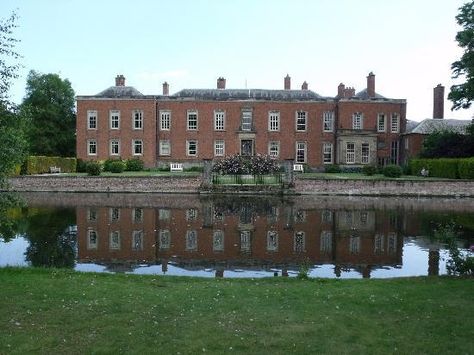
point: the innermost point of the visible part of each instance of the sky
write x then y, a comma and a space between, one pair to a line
409, 45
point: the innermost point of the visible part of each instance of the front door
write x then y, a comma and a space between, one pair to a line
246, 147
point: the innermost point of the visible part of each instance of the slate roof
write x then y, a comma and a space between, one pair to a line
119, 91
363, 95
245, 94
431, 125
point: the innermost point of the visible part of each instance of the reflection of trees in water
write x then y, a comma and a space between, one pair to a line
461, 222
10, 223
52, 240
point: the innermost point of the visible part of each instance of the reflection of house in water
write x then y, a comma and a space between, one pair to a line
239, 233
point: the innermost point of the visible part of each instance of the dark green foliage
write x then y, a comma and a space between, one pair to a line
41, 164
448, 144
351, 169
134, 165
195, 168
49, 105
369, 170
393, 171
332, 169
117, 166
236, 164
466, 168
107, 164
462, 94
81, 166
93, 168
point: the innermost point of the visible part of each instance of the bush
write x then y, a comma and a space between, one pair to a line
443, 167
466, 168
332, 169
393, 171
134, 165
41, 164
195, 168
81, 166
106, 166
369, 170
93, 168
351, 169
117, 166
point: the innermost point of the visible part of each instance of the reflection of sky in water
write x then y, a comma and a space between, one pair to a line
415, 263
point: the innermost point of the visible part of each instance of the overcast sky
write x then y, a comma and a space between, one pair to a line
408, 44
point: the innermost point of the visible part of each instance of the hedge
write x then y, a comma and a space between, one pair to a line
41, 164
444, 167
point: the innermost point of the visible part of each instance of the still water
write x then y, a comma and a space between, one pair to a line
234, 236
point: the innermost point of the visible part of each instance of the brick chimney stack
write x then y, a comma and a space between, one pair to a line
438, 101
221, 83
371, 85
287, 82
340, 90
304, 86
120, 80
166, 89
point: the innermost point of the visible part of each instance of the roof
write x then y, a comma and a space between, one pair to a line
363, 95
431, 125
119, 91
245, 94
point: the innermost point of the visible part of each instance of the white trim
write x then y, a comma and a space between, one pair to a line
92, 113
305, 121
118, 147
112, 119
273, 121
89, 143
167, 115
162, 143
188, 113
140, 119
134, 141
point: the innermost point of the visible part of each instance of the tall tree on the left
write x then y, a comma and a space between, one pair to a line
12, 139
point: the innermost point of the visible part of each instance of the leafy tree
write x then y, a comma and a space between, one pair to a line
49, 106
449, 144
462, 94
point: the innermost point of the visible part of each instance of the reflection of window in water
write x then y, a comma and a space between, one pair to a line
327, 216
349, 217
272, 216
364, 216
218, 216
164, 214
137, 215
354, 244
393, 221
300, 216
191, 214
114, 214
392, 243
114, 242
191, 240
326, 242
245, 241
378, 244
137, 240
272, 241
245, 215
92, 239
164, 239
92, 215
299, 242
218, 241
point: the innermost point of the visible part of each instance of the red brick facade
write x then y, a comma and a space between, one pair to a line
288, 124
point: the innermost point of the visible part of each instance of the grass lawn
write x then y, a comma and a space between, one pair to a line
50, 311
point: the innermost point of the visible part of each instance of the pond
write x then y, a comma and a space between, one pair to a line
234, 236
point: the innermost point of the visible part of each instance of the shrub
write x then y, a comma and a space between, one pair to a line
263, 164
117, 166
332, 169
351, 169
93, 168
106, 166
393, 171
81, 166
369, 170
134, 164
195, 168
443, 167
41, 164
466, 168
232, 164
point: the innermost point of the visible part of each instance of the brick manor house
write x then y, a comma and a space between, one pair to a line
350, 129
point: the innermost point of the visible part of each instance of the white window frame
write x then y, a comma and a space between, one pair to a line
247, 120
165, 120
219, 148
92, 114
115, 143
114, 244
328, 121
165, 145
92, 233
327, 151
357, 121
350, 154
301, 146
92, 143
219, 120
301, 121
135, 144
395, 123
274, 149
365, 153
192, 120
137, 119
381, 122
274, 121
188, 147
114, 119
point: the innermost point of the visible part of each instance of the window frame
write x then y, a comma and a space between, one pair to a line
135, 145
365, 158
188, 147
274, 144
298, 124
395, 118
111, 147
135, 120
379, 116
219, 120
274, 121
325, 153
90, 143
350, 153
357, 121
114, 119
328, 120
162, 143
195, 120
246, 125
216, 148
90, 114
305, 151
165, 120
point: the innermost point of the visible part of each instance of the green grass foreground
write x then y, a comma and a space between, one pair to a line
51, 311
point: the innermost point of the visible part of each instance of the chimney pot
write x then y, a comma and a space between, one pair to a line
371, 85
221, 83
166, 89
340, 90
304, 86
287, 82
120, 80
438, 101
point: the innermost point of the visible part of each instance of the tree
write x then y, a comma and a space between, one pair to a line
463, 94
448, 144
12, 142
49, 106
